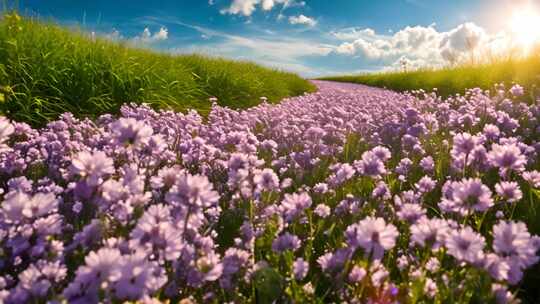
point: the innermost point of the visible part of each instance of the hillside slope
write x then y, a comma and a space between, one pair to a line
46, 70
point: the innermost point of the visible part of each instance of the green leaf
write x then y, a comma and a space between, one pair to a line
268, 284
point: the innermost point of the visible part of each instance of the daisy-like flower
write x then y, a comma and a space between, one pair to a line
512, 239
300, 269
373, 235
464, 143
322, 210
293, 205
92, 166
507, 158
193, 190
532, 177
129, 131
370, 165
466, 245
471, 193
509, 191
266, 180
286, 241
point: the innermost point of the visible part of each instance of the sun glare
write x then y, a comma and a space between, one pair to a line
525, 27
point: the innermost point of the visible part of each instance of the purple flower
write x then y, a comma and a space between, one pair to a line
517, 90
373, 235
491, 132
428, 164
466, 245
300, 269
532, 177
342, 173
266, 180
370, 165
192, 190
507, 158
429, 232
512, 239
425, 184
286, 241
509, 191
138, 277
471, 193
92, 166
464, 143
382, 153
322, 210
19, 206
293, 205
357, 274
411, 212
333, 262
129, 131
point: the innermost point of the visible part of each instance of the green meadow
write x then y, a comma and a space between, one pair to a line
46, 70
457, 79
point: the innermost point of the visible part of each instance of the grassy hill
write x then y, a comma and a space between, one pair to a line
46, 70
452, 80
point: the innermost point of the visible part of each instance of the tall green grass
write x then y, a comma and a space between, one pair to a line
46, 70
453, 80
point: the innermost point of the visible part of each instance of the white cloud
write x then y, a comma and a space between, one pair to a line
248, 7
465, 38
353, 33
244, 7
302, 19
211, 2
418, 45
147, 37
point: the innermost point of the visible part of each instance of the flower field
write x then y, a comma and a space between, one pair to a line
351, 194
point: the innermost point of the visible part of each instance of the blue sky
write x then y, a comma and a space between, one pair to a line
311, 37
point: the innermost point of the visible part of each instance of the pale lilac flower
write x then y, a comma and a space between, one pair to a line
193, 190
370, 165
491, 132
293, 205
286, 241
425, 184
512, 239
466, 245
471, 193
464, 143
357, 274
507, 158
428, 164
382, 153
138, 277
266, 180
129, 131
429, 232
92, 166
373, 235
517, 90
322, 210
300, 269
333, 262
411, 213
509, 191
532, 177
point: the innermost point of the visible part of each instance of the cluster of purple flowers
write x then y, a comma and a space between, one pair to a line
351, 194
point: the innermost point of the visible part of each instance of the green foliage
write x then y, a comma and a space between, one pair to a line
46, 70
453, 80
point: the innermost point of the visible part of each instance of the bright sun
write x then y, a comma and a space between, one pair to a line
525, 27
